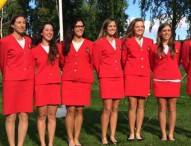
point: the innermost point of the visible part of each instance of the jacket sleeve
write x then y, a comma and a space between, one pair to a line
185, 55
96, 56
33, 54
91, 54
151, 57
123, 54
178, 46
61, 57
3, 55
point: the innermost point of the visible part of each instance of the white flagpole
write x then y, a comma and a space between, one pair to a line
61, 20
61, 111
1, 29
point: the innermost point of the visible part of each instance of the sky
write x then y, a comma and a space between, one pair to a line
134, 12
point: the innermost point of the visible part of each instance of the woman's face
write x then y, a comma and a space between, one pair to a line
47, 33
139, 29
111, 28
79, 29
19, 26
166, 33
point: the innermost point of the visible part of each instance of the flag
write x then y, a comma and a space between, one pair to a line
2, 2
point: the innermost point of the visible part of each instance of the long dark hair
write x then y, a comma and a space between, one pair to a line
53, 48
13, 19
160, 46
69, 35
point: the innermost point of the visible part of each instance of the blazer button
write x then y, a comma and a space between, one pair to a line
142, 58
142, 66
75, 70
50, 74
25, 69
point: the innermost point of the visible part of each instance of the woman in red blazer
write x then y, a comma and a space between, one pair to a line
186, 60
107, 62
165, 59
17, 70
136, 68
77, 77
47, 81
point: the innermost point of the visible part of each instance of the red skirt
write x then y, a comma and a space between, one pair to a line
111, 88
166, 89
48, 94
76, 93
18, 96
137, 86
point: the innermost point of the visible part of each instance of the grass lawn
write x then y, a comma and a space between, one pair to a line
91, 133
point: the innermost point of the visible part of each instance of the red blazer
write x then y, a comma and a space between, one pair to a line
45, 73
107, 60
135, 59
186, 55
77, 66
165, 67
16, 63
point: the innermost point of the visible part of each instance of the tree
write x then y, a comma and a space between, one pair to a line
171, 11
113, 9
189, 20
71, 9
44, 11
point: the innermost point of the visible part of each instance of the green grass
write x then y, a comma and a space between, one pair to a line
91, 132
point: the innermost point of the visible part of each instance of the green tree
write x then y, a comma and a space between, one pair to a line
71, 9
89, 14
113, 9
189, 20
44, 11
171, 11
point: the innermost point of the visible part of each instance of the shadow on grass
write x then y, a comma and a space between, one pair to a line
61, 130
33, 133
32, 129
91, 123
3, 137
150, 125
91, 126
153, 127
